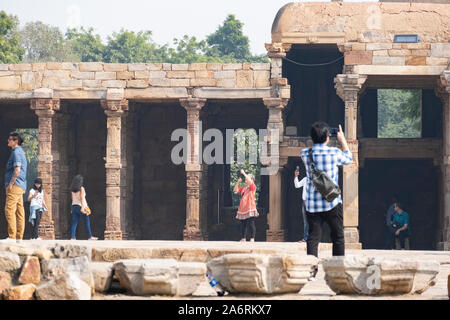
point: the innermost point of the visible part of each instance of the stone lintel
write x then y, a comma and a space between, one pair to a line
231, 93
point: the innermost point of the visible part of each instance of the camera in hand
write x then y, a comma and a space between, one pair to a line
297, 168
334, 131
239, 174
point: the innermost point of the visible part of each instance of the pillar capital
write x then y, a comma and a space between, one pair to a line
277, 50
193, 103
275, 103
45, 107
114, 108
349, 86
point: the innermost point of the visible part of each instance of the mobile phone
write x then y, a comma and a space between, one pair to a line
297, 168
334, 131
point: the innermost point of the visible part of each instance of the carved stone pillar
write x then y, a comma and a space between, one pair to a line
195, 173
45, 110
348, 88
278, 85
443, 91
115, 111
276, 232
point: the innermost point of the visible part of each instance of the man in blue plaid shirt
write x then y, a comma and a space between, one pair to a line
318, 209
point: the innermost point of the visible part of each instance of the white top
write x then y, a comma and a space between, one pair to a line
36, 202
76, 198
300, 184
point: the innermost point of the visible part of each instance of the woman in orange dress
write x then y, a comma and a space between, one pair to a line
247, 211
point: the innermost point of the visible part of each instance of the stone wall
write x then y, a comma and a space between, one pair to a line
94, 76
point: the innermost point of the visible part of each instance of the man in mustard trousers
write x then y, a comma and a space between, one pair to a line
15, 184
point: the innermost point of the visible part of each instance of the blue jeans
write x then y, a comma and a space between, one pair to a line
76, 214
305, 223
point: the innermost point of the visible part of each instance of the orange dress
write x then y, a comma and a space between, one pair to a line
247, 206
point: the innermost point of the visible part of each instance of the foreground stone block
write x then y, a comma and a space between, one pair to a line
24, 292
379, 276
262, 273
147, 277
54, 268
160, 276
9, 262
5, 281
66, 287
190, 275
102, 273
31, 271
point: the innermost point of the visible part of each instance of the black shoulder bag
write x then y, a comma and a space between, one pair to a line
323, 183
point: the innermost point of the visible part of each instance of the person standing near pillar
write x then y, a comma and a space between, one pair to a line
16, 184
301, 184
37, 206
247, 211
79, 203
318, 209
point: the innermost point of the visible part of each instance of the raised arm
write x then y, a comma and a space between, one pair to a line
236, 186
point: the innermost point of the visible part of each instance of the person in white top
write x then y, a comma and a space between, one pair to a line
79, 204
302, 184
37, 206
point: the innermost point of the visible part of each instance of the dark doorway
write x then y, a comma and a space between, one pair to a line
313, 96
416, 182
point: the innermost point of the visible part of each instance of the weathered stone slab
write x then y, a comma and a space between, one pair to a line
379, 276
102, 272
63, 251
31, 271
9, 262
68, 286
262, 273
24, 292
115, 254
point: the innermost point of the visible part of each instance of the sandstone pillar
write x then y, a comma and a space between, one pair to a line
348, 87
275, 232
45, 110
195, 171
443, 91
115, 111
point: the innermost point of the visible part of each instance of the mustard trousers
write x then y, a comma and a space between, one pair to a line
15, 212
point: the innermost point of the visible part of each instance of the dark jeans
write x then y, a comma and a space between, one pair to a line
76, 214
403, 235
389, 238
334, 219
37, 221
244, 224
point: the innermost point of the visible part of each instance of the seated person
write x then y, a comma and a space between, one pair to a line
401, 225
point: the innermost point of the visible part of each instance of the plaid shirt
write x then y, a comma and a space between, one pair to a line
325, 159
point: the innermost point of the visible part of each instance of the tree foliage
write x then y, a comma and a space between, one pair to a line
44, 43
86, 45
10, 48
399, 113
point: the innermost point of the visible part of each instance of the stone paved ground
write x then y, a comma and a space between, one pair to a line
317, 290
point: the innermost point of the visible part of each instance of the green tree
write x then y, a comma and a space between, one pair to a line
399, 113
189, 50
86, 45
30, 146
130, 47
229, 43
10, 48
44, 43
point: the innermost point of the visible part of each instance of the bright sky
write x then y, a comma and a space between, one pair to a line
167, 19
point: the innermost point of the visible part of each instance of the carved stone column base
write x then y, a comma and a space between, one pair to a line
275, 236
46, 232
351, 235
194, 235
113, 235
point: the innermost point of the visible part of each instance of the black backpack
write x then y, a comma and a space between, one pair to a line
323, 183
